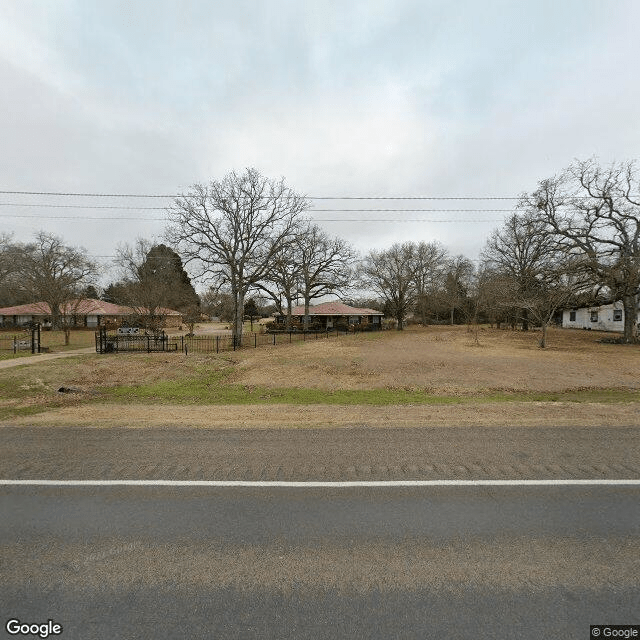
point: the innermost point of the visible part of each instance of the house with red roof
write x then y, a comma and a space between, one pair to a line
85, 312
328, 315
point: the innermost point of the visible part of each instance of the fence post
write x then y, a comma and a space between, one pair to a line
255, 340
274, 339
182, 339
217, 344
290, 337
15, 345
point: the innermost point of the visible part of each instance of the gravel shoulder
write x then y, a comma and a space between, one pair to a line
526, 414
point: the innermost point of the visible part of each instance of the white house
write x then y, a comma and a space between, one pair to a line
606, 317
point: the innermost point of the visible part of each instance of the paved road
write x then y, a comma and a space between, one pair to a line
472, 562
316, 563
319, 454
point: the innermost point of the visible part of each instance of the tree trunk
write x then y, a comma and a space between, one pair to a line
56, 320
305, 324
289, 314
423, 309
543, 339
630, 314
238, 316
525, 319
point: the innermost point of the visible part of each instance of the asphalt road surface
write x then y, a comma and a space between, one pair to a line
281, 562
320, 454
469, 562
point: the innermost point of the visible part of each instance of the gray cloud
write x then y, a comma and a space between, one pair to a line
358, 98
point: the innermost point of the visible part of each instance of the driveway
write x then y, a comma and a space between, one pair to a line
40, 357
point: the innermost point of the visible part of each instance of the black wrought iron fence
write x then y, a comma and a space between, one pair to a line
114, 343
215, 343
26, 341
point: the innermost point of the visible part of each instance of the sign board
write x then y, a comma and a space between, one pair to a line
128, 331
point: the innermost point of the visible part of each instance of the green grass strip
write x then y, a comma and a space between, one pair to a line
212, 392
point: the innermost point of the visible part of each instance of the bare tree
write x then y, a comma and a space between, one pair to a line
7, 256
282, 280
594, 214
430, 261
457, 284
218, 302
522, 256
9, 267
230, 230
495, 296
553, 290
54, 273
326, 265
390, 274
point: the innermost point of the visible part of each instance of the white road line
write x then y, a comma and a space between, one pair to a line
319, 483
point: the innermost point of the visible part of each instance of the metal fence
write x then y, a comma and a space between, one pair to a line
26, 341
114, 343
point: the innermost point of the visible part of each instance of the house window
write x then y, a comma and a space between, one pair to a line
617, 315
572, 316
594, 316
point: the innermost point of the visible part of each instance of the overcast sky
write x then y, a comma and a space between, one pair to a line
341, 98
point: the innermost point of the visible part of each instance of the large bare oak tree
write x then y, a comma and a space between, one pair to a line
594, 214
390, 274
230, 230
52, 272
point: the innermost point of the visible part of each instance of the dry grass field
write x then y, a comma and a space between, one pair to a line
435, 375
449, 360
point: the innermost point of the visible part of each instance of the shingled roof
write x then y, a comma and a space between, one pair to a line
82, 307
335, 308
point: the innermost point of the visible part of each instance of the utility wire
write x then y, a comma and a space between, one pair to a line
142, 195
361, 220
76, 206
99, 206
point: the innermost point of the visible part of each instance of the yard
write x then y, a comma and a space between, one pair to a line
49, 341
435, 375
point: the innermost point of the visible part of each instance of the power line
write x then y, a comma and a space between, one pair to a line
414, 210
75, 206
99, 206
361, 220
411, 197
179, 195
79, 218
87, 195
